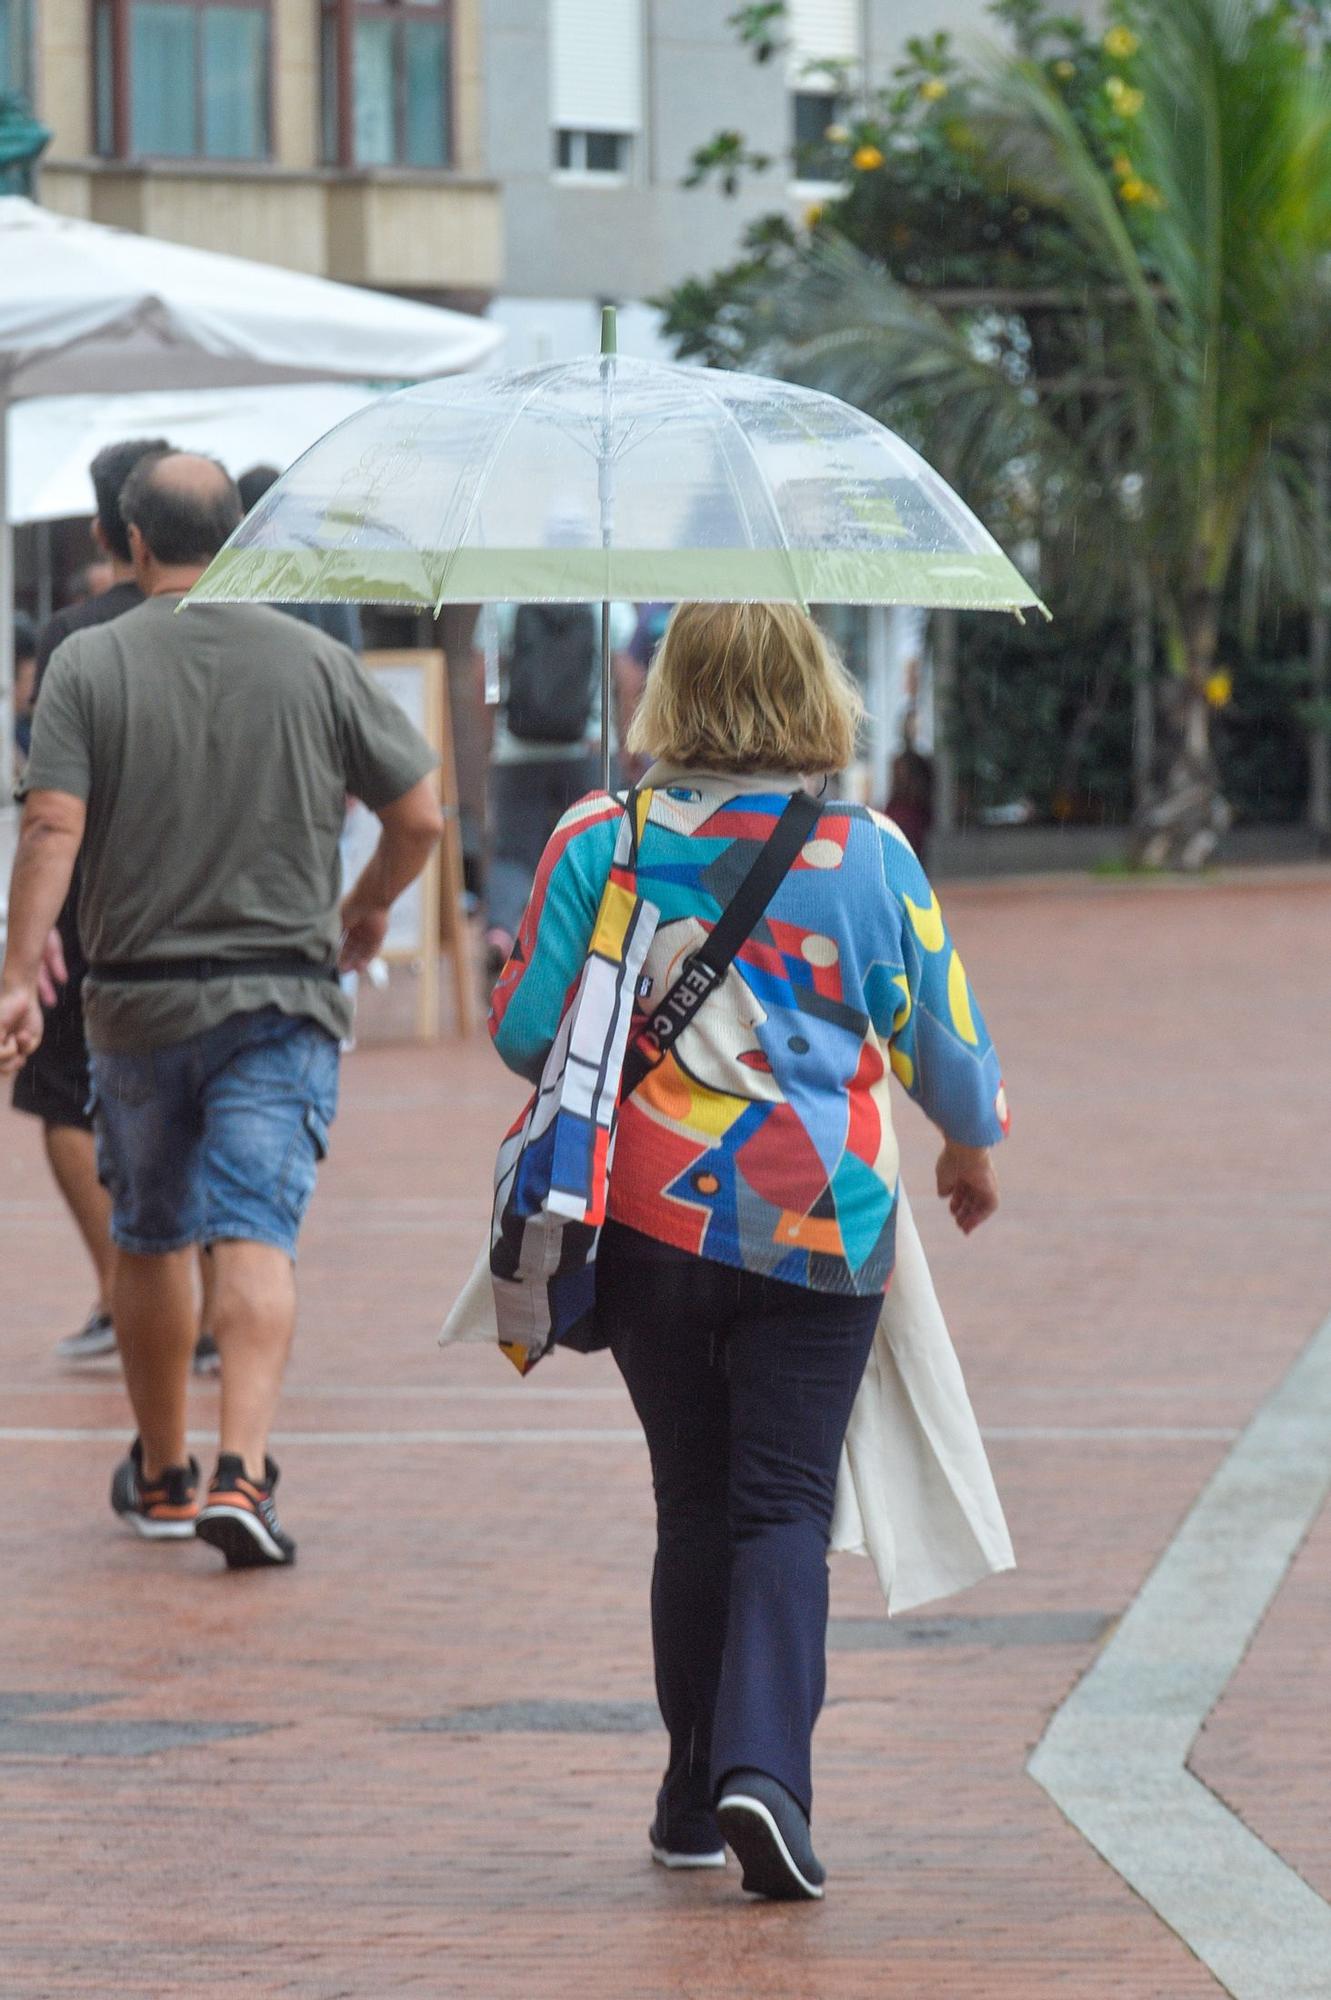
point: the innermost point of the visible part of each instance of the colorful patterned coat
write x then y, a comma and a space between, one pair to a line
765, 1141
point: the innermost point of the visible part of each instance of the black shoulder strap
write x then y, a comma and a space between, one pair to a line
709, 964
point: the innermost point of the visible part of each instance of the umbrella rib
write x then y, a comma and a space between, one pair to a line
487, 467
763, 481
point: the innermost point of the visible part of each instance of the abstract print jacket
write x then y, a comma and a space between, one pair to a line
765, 1140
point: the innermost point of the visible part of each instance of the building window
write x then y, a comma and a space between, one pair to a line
824, 56
182, 79
813, 113
15, 47
608, 153
596, 61
387, 83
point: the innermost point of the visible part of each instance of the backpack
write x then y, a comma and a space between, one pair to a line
552, 672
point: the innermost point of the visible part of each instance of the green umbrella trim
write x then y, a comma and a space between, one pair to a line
985, 582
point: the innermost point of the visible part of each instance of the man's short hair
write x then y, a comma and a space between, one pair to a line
180, 525
110, 469
255, 483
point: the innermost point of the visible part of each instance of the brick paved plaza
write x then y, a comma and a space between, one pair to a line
423, 1762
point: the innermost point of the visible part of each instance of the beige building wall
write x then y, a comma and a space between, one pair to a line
399, 230
64, 74
297, 119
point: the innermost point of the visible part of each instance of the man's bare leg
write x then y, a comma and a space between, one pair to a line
73, 1161
253, 1306
156, 1319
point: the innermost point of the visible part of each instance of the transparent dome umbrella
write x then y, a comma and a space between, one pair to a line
608, 478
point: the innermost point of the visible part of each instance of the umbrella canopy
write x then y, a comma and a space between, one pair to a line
53, 439
609, 477
85, 308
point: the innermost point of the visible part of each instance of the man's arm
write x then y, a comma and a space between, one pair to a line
411, 829
49, 839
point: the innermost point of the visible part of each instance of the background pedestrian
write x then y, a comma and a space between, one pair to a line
201, 762
545, 751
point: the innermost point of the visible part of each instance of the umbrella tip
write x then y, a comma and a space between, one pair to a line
609, 331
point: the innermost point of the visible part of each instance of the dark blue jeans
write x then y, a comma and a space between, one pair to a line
744, 1386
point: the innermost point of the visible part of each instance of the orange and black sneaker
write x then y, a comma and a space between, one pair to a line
162, 1509
239, 1517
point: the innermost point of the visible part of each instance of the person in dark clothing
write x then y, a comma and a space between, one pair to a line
110, 469
54, 1086
25, 653
911, 801
339, 621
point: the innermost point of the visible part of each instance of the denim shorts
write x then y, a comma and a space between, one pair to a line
217, 1138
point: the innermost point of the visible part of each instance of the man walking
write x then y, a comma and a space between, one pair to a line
54, 1085
200, 762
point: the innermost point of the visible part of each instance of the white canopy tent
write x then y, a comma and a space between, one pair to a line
53, 439
86, 309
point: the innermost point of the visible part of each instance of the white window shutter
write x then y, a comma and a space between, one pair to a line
596, 65
821, 31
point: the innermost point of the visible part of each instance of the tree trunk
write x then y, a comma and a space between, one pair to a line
1182, 821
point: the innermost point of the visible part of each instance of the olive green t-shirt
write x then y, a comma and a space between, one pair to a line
215, 750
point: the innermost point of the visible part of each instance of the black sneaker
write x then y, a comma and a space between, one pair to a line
207, 1360
239, 1517
769, 1831
163, 1510
94, 1339
694, 1843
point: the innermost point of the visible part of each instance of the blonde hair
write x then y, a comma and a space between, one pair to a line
747, 687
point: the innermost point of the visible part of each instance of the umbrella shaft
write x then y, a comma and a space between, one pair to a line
605, 694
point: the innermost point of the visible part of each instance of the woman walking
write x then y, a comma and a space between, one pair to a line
752, 1202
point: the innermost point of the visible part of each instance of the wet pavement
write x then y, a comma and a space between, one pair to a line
423, 1762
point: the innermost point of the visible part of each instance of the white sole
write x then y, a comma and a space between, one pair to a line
159, 1531
665, 1857
741, 1802
251, 1523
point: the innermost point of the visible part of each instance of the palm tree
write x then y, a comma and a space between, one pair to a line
1178, 445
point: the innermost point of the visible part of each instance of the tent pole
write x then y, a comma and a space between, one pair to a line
6, 612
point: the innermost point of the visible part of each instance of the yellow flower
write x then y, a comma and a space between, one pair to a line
866, 159
836, 135
1134, 189
1121, 43
1129, 102
1219, 689
1123, 166
813, 214
1065, 70
933, 89
1114, 88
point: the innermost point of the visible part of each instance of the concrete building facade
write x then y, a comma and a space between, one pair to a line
458, 149
630, 228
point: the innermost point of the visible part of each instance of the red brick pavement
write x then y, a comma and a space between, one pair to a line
1162, 1254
